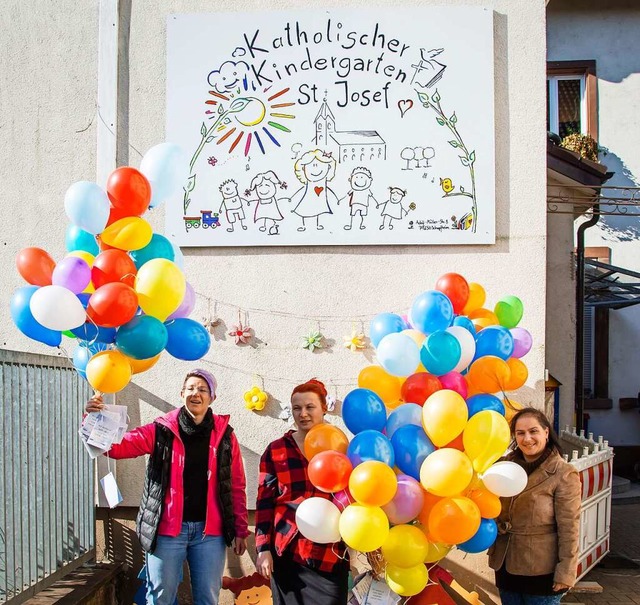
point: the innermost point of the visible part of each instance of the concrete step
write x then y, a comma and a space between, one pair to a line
620, 485
631, 496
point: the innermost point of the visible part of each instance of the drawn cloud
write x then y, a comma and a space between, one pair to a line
228, 76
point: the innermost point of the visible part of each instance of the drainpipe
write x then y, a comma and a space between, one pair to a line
579, 394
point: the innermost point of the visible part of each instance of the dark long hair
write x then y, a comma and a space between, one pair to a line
553, 443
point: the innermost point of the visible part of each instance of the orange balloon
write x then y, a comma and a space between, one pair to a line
142, 365
373, 483
376, 379
510, 408
488, 504
36, 266
477, 297
457, 444
519, 374
479, 323
454, 520
323, 437
486, 313
430, 500
489, 374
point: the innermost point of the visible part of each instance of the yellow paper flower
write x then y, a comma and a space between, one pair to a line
255, 399
354, 342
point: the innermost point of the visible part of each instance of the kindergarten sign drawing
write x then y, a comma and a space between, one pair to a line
333, 127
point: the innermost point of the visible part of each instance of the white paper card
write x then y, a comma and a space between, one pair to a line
111, 491
380, 594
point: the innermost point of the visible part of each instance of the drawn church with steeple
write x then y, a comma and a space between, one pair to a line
350, 145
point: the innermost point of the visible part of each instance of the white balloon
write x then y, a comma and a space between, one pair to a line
87, 206
166, 167
467, 346
57, 308
505, 479
398, 354
178, 257
318, 520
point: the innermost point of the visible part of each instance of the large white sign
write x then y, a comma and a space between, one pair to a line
333, 127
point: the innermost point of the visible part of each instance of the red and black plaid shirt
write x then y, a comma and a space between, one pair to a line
282, 486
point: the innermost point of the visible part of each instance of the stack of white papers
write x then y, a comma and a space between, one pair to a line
100, 430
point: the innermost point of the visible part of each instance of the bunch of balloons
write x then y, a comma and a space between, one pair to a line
120, 290
421, 474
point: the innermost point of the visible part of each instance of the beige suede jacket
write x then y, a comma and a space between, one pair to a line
539, 528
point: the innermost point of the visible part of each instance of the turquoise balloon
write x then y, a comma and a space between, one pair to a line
79, 239
142, 337
440, 352
158, 247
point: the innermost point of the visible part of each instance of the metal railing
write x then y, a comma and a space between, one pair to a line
47, 525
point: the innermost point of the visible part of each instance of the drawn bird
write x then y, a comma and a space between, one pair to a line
447, 185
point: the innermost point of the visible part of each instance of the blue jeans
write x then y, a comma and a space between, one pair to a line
206, 556
520, 598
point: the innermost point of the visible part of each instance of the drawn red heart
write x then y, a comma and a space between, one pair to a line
404, 106
318, 190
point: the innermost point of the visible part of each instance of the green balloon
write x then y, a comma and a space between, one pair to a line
68, 334
509, 311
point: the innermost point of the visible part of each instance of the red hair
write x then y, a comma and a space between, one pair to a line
313, 386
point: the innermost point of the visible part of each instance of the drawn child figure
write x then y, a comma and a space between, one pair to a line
232, 204
393, 207
314, 170
249, 590
359, 195
265, 185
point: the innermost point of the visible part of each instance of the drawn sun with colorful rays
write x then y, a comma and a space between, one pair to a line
252, 113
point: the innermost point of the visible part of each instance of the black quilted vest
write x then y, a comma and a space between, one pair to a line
157, 479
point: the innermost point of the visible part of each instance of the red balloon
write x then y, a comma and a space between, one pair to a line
456, 288
115, 214
113, 266
36, 266
419, 387
128, 189
329, 471
112, 305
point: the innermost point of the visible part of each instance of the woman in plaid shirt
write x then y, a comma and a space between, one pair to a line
302, 572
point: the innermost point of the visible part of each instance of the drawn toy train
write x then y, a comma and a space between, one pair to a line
208, 220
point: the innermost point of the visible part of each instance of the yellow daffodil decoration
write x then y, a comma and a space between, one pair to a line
355, 342
255, 399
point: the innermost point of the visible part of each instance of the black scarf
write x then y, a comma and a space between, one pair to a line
189, 427
529, 467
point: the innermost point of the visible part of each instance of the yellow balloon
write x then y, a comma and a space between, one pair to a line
376, 379
511, 406
407, 581
477, 297
363, 528
108, 371
142, 365
486, 438
87, 257
444, 416
436, 552
128, 233
160, 286
373, 483
446, 472
405, 546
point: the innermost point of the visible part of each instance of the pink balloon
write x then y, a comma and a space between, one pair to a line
522, 342
72, 273
343, 498
454, 381
407, 502
187, 305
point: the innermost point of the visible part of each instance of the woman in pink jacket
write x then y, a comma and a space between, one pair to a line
193, 504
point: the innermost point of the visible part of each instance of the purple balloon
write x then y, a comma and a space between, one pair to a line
72, 273
522, 342
343, 498
187, 305
407, 502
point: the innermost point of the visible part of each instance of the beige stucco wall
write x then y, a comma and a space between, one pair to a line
609, 34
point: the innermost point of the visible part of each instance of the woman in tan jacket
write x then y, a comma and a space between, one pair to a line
535, 556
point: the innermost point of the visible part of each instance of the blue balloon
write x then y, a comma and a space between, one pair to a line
188, 339
362, 409
466, 323
92, 333
370, 445
142, 338
383, 324
26, 322
87, 206
483, 538
411, 446
496, 341
484, 401
431, 311
79, 239
83, 353
158, 247
407, 413
440, 352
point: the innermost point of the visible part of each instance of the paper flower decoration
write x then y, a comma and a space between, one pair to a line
312, 341
242, 334
286, 413
331, 403
355, 342
255, 399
